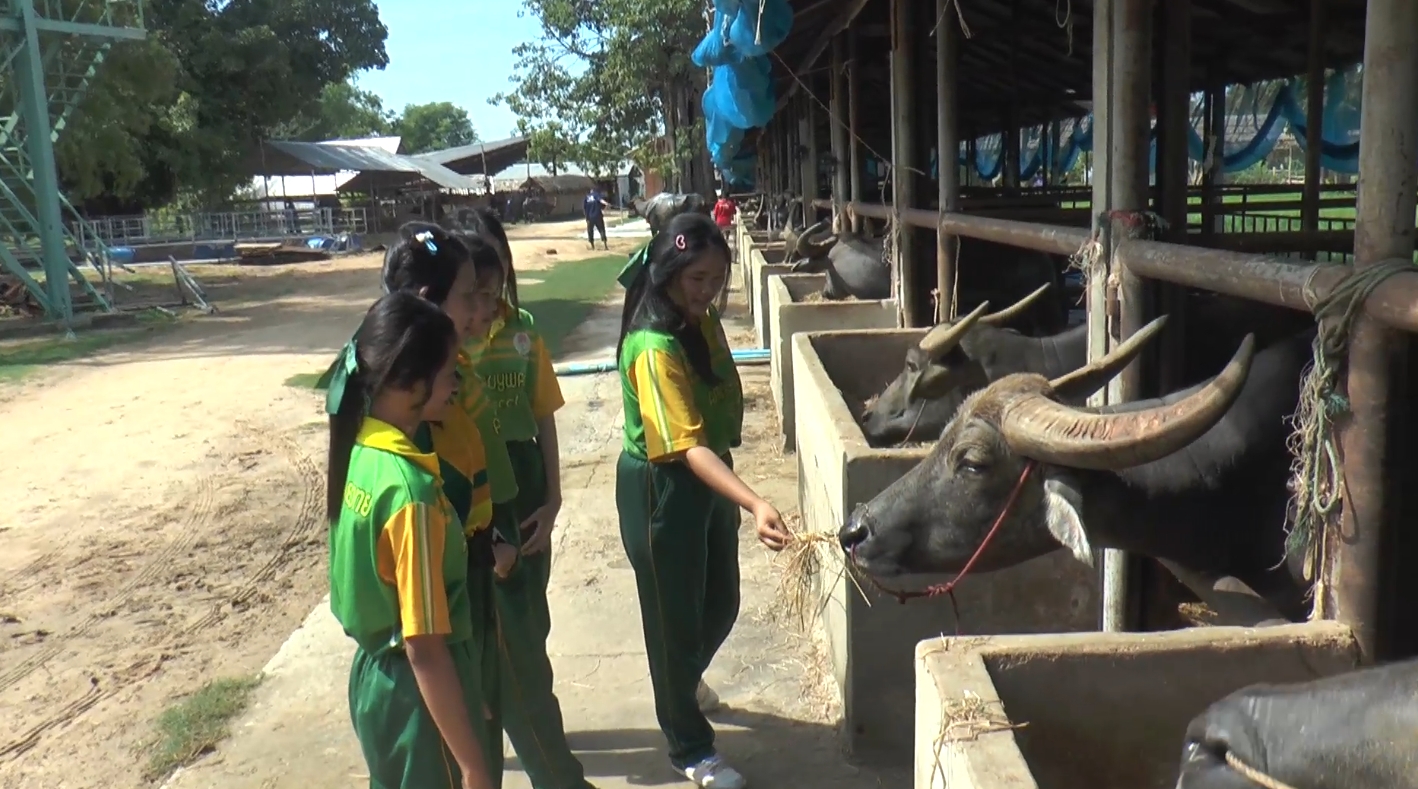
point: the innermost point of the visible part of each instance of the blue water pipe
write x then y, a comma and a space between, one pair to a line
742, 357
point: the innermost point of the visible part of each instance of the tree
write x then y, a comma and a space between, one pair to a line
637, 84
179, 115
344, 112
550, 146
434, 127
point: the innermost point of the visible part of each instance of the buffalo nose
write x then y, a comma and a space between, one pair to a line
854, 533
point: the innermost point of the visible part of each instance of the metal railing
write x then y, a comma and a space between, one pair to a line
229, 225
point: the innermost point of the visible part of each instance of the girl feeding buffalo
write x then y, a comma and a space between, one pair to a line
676, 492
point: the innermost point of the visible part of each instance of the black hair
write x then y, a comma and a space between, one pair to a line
647, 299
403, 340
411, 266
483, 223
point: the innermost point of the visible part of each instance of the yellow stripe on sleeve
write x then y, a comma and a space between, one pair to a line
411, 545
672, 421
546, 390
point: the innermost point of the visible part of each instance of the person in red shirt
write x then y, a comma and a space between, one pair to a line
724, 211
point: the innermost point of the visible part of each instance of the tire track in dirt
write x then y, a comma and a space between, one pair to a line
95, 693
188, 531
306, 523
11, 584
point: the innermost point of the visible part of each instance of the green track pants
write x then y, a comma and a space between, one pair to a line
531, 714
682, 540
402, 746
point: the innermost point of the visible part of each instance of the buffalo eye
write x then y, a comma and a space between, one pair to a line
971, 464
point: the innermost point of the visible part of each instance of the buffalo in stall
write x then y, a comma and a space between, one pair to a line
955, 359
660, 209
1197, 478
858, 268
1358, 729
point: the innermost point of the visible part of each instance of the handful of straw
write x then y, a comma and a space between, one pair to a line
807, 555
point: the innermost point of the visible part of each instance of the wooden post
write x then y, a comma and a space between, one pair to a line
1314, 123
854, 99
839, 133
903, 139
1388, 184
808, 124
1174, 108
947, 157
1212, 220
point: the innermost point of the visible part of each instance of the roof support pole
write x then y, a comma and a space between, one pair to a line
1387, 193
1314, 123
839, 132
947, 156
1174, 119
903, 159
1121, 77
854, 101
808, 125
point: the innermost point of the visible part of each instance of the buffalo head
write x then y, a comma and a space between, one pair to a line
943, 368
811, 253
934, 518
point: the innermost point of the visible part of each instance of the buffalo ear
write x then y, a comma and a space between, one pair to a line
1063, 506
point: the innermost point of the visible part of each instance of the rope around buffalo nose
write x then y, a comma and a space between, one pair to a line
1316, 473
1253, 775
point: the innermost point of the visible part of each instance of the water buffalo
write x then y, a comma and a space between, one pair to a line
1358, 729
660, 209
1197, 478
857, 268
949, 364
957, 358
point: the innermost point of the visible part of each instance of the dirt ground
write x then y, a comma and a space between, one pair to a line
174, 534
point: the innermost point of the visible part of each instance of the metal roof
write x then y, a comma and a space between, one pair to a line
379, 167
468, 159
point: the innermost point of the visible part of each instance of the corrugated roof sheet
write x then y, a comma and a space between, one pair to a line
468, 151
331, 157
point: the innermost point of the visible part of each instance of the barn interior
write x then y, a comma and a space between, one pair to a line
1122, 92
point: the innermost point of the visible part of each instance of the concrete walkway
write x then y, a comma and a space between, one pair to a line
774, 727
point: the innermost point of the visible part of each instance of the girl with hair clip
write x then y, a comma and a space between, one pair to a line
400, 579
515, 369
676, 492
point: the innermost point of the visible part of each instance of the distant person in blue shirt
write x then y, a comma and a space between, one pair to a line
594, 206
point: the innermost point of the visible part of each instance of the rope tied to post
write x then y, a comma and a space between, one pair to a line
1316, 473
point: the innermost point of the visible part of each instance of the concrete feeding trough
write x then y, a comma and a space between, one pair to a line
872, 639
764, 265
795, 305
1096, 710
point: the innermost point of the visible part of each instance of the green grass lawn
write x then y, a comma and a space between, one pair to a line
566, 295
560, 299
22, 357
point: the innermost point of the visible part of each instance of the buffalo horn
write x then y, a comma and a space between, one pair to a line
1095, 375
1018, 308
809, 249
945, 336
1036, 426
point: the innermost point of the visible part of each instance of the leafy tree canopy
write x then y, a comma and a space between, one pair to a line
343, 112
177, 116
435, 126
596, 86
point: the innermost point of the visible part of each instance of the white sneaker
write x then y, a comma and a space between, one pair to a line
706, 697
715, 773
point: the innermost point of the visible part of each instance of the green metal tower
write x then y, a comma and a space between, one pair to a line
52, 49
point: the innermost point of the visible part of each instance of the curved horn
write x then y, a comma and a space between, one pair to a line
1038, 427
807, 248
1094, 376
1018, 308
947, 335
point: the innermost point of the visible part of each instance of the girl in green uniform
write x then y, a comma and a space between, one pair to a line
515, 369
399, 582
676, 491
464, 277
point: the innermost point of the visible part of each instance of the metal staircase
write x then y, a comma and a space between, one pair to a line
51, 51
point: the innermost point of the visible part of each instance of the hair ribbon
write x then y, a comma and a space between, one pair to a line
337, 376
426, 238
638, 259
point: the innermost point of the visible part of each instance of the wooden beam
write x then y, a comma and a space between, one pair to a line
824, 40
